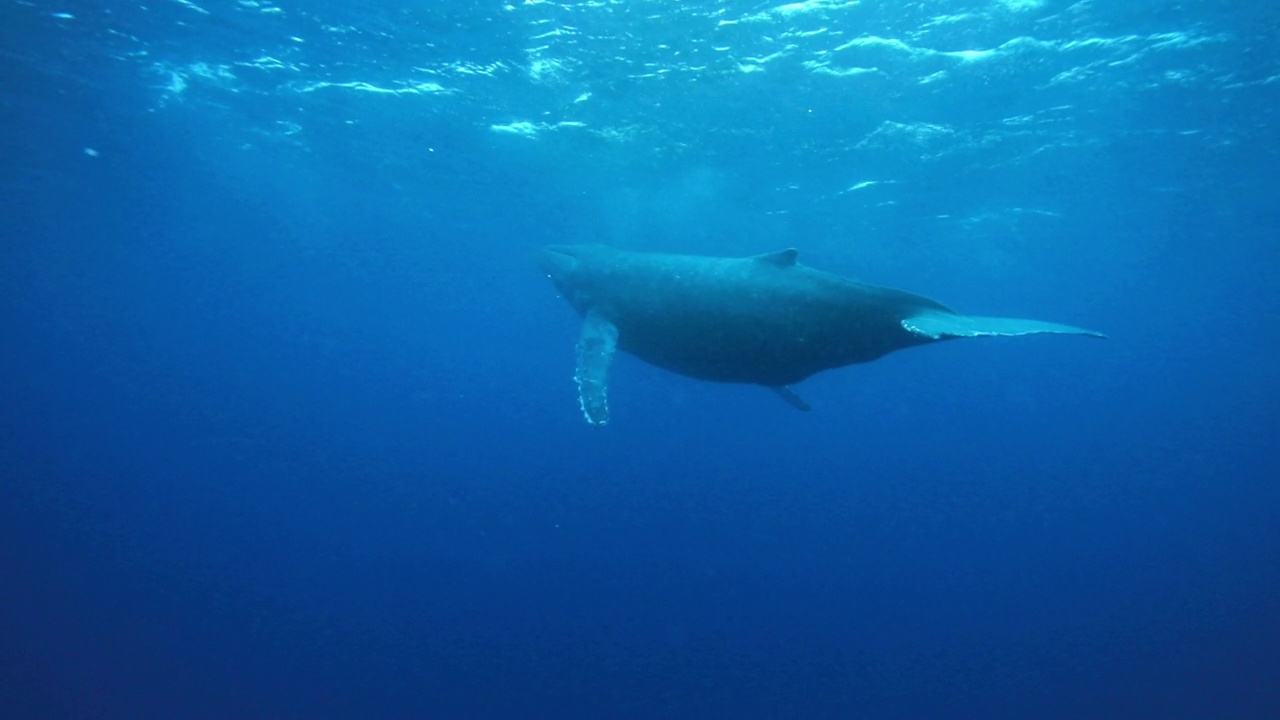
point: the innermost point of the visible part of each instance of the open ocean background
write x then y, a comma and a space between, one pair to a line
287, 420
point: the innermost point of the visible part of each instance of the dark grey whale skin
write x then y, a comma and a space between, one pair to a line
763, 319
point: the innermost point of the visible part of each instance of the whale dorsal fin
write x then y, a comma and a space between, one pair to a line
782, 258
596, 346
791, 397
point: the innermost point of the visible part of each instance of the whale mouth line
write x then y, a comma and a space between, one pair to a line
557, 261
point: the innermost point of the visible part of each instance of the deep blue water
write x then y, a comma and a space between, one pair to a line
288, 427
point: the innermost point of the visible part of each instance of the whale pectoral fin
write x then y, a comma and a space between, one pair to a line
938, 325
596, 346
789, 396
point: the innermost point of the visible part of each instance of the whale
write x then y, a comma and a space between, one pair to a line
764, 319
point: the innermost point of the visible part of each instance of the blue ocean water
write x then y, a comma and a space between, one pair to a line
288, 427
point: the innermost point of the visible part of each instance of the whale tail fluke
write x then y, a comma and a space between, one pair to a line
940, 325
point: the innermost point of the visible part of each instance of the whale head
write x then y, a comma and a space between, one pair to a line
559, 262
579, 272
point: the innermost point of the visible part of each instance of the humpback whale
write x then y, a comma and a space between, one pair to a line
764, 319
